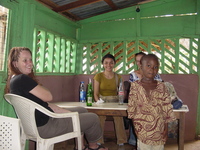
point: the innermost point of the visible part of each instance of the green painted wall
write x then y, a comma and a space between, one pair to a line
128, 23
24, 16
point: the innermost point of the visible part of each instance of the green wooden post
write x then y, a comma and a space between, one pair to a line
57, 55
99, 53
73, 55
79, 58
162, 67
191, 56
68, 53
198, 32
124, 56
198, 107
50, 53
176, 56
63, 54
88, 60
35, 39
198, 64
41, 54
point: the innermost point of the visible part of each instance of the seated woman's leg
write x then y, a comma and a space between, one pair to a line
59, 126
55, 127
91, 127
89, 123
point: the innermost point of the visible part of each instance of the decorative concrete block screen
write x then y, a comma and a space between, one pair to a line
56, 54
53, 53
177, 55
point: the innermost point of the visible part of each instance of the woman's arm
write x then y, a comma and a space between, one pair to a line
45, 95
96, 90
42, 93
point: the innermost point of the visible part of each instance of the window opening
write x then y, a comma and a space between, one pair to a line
53, 53
3, 31
177, 55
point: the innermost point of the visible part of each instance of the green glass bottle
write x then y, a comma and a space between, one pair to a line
89, 93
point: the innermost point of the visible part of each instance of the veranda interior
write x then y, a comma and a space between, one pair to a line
168, 28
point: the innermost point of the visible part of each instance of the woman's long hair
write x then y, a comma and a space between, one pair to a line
12, 70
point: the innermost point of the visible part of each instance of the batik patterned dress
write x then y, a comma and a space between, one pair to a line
150, 112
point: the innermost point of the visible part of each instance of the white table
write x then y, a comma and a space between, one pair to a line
114, 109
104, 109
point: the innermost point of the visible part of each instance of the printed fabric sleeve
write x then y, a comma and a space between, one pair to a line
158, 78
133, 77
131, 101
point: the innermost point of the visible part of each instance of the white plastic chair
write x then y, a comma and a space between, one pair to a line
10, 134
25, 110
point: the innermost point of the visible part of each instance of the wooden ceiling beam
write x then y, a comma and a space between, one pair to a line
70, 15
74, 5
64, 10
48, 3
111, 4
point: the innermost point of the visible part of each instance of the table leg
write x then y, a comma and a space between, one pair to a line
181, 131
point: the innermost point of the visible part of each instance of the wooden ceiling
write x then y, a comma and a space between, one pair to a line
81, 9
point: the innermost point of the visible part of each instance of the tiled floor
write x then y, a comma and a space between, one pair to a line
110, 142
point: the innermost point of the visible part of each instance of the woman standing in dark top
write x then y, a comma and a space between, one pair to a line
22, 81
